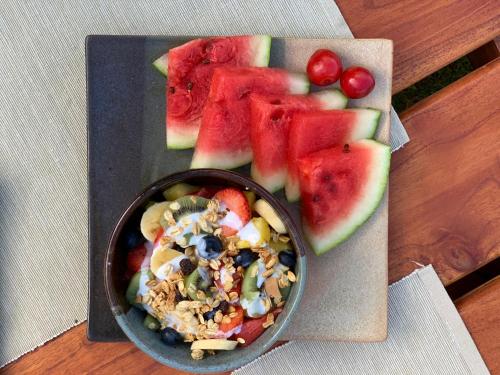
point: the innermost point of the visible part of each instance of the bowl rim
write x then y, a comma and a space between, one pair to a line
158, 186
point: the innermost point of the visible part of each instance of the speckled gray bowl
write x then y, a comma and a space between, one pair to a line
130, 319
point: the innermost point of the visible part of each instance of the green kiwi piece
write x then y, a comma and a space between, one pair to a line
280, 246
133, 287
194, 278
151, 323
189, 204
179, 190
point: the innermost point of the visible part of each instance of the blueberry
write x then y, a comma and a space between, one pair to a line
170, 336
209, 314
245, 257
210, 247
287, 258
133, 238
223, 307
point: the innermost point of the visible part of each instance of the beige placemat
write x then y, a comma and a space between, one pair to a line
426, 336
43, 188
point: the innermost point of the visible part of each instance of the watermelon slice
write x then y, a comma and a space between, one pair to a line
341, 187
190, 68
270, 117
224, 138
316, 130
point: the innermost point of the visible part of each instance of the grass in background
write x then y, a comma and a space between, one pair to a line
431, 84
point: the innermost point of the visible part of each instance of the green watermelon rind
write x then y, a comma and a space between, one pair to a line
298, 83
380, 178
161, 64
331, 99
271, 183
219, 160
369, 130
262, 44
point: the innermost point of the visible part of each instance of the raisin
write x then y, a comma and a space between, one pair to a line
187, 267
223, 307
178, 296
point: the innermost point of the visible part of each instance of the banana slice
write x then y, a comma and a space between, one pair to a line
214, 344
163, 256
150, 221
255, 233
264, 209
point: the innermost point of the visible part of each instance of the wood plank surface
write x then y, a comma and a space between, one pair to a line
480, 311
71, 353
427, 34
444, 185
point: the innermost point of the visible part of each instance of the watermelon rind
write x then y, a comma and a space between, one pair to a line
262, 45
331, 99
372, 194
161, 64
366, 127
181, 141
298, 83
371, 118
272, 183
219, 160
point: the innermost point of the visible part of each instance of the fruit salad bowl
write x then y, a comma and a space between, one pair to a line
131, 319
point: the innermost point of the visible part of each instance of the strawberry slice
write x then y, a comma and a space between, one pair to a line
252, 328
135, 257
236, 202
234, 322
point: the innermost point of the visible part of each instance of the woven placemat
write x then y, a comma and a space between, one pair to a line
426, 336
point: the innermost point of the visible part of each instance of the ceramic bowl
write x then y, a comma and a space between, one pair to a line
130, 319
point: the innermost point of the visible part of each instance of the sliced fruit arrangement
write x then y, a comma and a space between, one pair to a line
224, 137
340, 188
316, 130
270, 117
211, 271
190, 67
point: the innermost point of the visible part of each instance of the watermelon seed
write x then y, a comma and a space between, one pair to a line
276, 102
277, 115
189, 86
172, 89
316, 198
346, 148
205, 61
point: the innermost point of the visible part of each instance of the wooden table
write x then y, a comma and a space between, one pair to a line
444, 187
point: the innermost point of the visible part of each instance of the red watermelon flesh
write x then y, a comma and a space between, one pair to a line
224, 137
340, 189
190, 70
316, 130
270, 117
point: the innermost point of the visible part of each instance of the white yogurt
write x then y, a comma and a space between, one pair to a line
231, 219
256, 307
175, 263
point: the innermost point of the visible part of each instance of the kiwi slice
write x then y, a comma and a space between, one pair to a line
179, 190
133, 286
251, 197
189, 204
194, 278
280, 246
151, 323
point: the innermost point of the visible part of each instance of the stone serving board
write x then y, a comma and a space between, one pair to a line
346, 293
